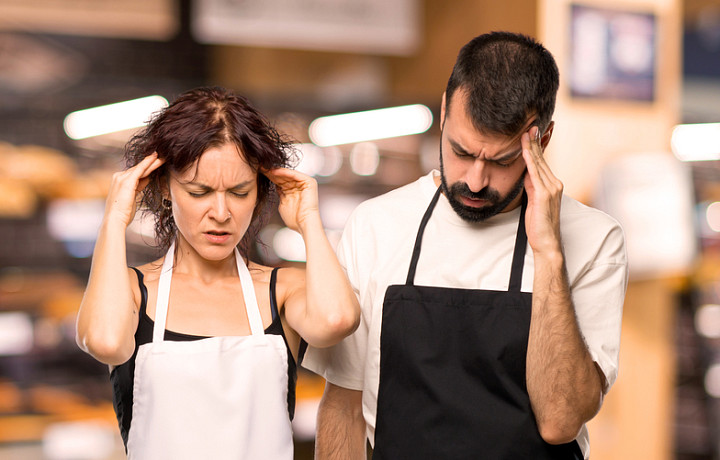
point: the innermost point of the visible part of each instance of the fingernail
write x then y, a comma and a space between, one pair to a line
537, 134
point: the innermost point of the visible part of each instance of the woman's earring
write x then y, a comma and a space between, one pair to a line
167, 204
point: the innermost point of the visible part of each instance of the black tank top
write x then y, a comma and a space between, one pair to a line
122, 377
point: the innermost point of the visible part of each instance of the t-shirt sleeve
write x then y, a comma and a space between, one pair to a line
598, 296
341, 364
344, 363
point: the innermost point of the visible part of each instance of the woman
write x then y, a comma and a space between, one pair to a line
203, 344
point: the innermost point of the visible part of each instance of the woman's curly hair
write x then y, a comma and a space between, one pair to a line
196, 121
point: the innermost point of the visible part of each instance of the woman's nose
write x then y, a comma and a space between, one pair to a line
219, 210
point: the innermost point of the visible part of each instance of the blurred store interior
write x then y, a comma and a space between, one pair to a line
637, 134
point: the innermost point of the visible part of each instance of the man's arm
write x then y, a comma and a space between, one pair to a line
340, 425
565, 386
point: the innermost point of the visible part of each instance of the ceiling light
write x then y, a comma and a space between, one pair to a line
370, 125
113, 117
696, 142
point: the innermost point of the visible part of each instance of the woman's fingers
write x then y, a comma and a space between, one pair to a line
148, 164
298, 195
126, 186
283, 175
289, 180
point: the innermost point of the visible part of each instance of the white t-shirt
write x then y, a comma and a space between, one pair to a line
376, 248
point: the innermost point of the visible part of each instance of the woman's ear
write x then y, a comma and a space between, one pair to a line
164, 183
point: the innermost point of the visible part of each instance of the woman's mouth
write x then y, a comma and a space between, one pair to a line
217, 236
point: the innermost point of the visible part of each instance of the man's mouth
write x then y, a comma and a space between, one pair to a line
473, 202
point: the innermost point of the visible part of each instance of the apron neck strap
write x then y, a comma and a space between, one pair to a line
418, 240
518, 261
163, 295
251, 306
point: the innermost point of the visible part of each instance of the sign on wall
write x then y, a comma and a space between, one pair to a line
612, 54
363, 26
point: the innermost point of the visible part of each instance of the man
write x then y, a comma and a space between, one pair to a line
471, 346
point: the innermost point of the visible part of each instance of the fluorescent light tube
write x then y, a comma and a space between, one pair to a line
113, 117
696, 142
370, 125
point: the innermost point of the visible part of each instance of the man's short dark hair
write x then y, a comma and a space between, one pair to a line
507, 77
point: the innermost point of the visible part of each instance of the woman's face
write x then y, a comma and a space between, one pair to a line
213, 201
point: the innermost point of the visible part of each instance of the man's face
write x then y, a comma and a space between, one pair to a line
481, 174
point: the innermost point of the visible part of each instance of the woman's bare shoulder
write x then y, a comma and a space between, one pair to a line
151, 270
288, 278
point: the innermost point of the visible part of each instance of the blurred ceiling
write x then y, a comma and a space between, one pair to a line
58, 56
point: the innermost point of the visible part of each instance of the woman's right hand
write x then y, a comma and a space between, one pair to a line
125, 189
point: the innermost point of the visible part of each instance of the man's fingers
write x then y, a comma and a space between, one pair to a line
531, 160
532, 141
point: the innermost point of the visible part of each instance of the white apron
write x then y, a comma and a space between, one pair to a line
218, 398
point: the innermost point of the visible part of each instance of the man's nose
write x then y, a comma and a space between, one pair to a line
476, 177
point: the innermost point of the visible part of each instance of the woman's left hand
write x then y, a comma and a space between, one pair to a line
298, 196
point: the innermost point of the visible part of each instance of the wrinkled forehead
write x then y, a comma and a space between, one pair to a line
465, 136
222, 163
460, 110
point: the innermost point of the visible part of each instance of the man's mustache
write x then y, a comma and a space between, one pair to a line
485, 193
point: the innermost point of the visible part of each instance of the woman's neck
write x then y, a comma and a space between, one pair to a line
189, 262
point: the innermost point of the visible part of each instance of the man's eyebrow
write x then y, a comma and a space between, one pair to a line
459, 149
503, 157
509, 155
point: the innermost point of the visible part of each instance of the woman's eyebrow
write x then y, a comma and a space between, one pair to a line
207, 187
242, 184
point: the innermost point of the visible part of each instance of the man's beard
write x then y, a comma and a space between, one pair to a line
473, 214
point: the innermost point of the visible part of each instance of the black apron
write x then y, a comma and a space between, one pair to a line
452, 370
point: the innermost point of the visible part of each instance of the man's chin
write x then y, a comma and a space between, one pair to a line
473, 213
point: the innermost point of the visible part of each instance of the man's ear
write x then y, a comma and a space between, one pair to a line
545, 139
442, 111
